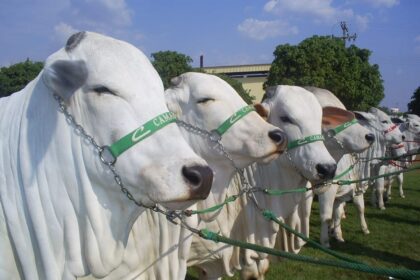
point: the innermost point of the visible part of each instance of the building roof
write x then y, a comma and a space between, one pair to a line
240, 70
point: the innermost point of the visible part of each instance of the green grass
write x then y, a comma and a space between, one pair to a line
393, 242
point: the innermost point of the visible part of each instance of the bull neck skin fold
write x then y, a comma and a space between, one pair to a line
39, 201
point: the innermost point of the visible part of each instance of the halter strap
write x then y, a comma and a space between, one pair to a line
304, 141
391, 128
234, 118
334, 131
141, 133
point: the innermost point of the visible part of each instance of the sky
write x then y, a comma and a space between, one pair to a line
225, 32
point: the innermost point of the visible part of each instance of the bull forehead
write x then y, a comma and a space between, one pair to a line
116, 64
209, 86
298, 104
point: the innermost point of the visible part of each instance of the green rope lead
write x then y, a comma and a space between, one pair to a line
282, 192
270, 216
348, 182
213, 208
397, 273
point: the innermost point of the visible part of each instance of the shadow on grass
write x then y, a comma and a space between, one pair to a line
388, 218
403, 206
357, 249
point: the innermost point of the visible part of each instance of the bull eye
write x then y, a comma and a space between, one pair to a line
384, 121
102, 89
286, 119
204, 100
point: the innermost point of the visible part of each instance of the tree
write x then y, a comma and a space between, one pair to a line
170, 64
237, 85
414, 104
17, 76
325, 62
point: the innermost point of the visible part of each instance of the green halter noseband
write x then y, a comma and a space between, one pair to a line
334, 131
233, 119
304, 141
139, 134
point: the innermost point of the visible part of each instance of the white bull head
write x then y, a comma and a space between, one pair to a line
62, 213
343, 134
206, 101
110, 104
289, 107
381, 124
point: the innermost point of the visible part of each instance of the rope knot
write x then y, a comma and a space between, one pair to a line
209, 235
268, 215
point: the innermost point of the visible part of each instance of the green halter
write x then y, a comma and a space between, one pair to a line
234, 118
334, 131
304, 141
141, 133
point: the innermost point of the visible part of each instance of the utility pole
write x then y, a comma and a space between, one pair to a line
346, 35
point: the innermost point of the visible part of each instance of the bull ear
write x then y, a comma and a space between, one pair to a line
176, 81
363, 116
263, 110
334, 116
171, 103
64, 77
397, 120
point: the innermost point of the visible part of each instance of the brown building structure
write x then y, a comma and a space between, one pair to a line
252, 76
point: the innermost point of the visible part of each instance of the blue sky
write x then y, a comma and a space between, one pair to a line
224, 31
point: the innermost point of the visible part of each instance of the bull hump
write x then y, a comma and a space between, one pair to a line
74, 40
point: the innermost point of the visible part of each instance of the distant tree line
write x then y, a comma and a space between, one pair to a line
321, 61
17, 76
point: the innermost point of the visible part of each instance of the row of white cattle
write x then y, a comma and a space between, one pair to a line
63, 215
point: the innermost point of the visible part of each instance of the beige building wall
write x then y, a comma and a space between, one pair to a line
255, 85
251, 76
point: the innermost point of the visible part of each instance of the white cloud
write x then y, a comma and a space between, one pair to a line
321, 10
383, 3
63, 31
260, 29
362, 22
117, 9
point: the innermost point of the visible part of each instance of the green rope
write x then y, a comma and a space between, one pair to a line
344, 172
213, 208
282, 192
397, 273
390, 158
270, 216
348, 182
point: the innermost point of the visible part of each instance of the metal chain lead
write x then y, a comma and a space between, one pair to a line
215, 137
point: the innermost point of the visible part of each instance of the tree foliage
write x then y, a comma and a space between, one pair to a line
325, 62
170, 64
17, 76
414, 104
237, 85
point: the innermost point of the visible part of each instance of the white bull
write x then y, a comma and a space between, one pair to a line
386, 134
204, 101
410, 128
354, 139
294, 110
62, 215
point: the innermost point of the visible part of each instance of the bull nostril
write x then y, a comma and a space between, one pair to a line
201, 179
403, 137
326, 171
277, 136
370, 137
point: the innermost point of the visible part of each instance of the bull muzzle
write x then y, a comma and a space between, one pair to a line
200, 179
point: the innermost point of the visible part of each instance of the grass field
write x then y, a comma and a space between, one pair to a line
393, 242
